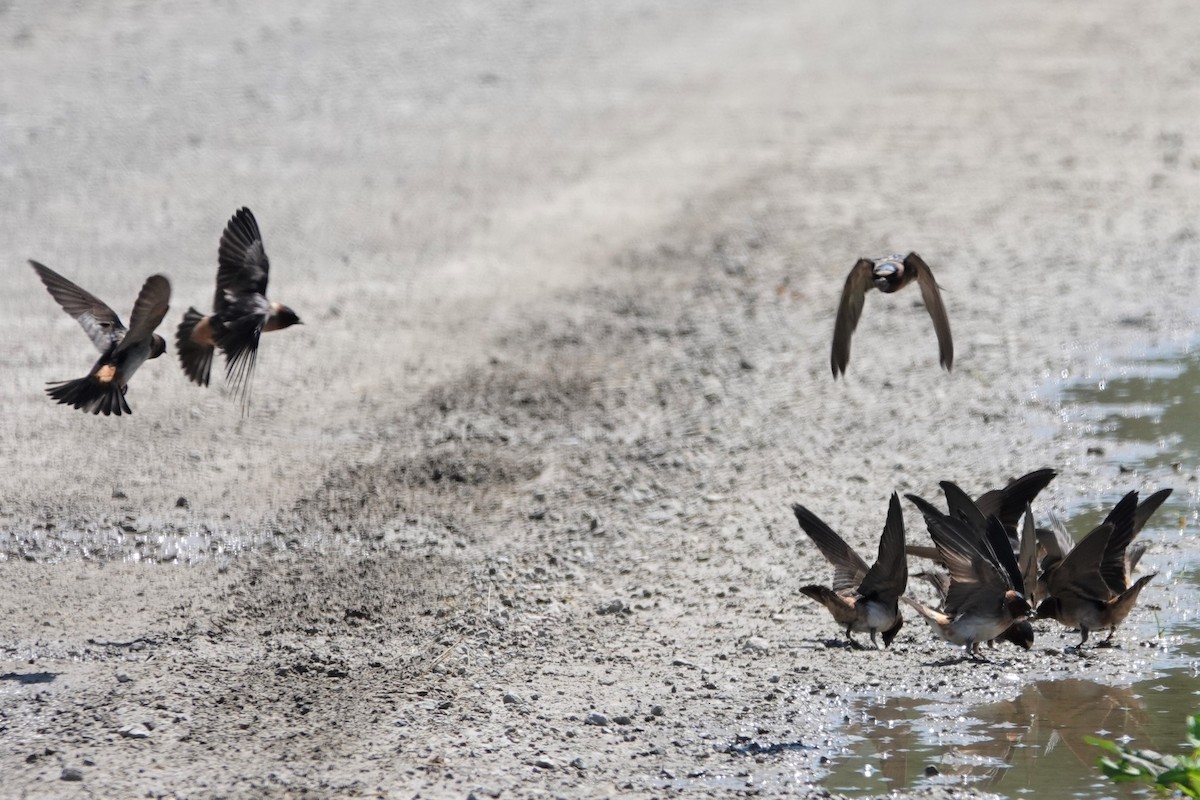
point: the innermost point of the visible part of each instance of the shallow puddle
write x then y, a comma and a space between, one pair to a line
1145, 407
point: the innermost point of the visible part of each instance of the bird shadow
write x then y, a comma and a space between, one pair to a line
842, 644
952, 661
774, 748
27, 678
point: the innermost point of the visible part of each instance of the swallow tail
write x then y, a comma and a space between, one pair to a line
91, 394
194, 341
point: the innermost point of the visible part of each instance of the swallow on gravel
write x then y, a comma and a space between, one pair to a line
122, 350
862, 598
1019, 633
1056, 542
1089, 588
241, 311
888, 274
984, 599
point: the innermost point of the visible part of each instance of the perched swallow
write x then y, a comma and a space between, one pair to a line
1089, 588
241, 311
122, 350
984, 599
1019, 633
862, 598
972, 523
888, 274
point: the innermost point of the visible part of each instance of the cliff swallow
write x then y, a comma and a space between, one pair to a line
1089, 588
241, 311
1056, 542
1019, 633
862, 598
122, 350
888, 274
984, 599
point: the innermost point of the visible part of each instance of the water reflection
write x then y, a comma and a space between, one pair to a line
1147, 412
1031, 743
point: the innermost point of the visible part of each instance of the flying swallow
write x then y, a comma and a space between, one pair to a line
241, 311
984, 599
122, 350
888, 274
862, 598
1089, 587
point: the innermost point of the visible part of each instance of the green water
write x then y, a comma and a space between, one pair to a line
1145, 407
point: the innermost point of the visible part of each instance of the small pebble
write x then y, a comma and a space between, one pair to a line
511, 699
134, 731
756, 644
71, 774
182, 502
595, 718
123, 677
612, 607
622, 719
656, 711
931, 770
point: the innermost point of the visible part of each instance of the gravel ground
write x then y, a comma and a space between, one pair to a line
510, 514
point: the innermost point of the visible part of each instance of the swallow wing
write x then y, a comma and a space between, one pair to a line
888, 576
1027, 557
1112, 563
1147, 507
1002, 553
926, 508
1056, 542
962, 507
99, 322
976, 580
243, 265
148, 310
932, 297
1079, 571
1010, 502
848, 567
850, 308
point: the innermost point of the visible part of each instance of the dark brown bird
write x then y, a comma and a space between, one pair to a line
241, 311
888, 274
122, 350
1055, 542
984, 599
1019, 633
862, 599
1089, 588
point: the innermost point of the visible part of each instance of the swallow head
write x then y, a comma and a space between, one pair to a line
1020, 634
1016, 604
891, 632
1048, 609
282, 317
158, 346
888, 273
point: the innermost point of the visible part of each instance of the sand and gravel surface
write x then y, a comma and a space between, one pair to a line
509, 516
